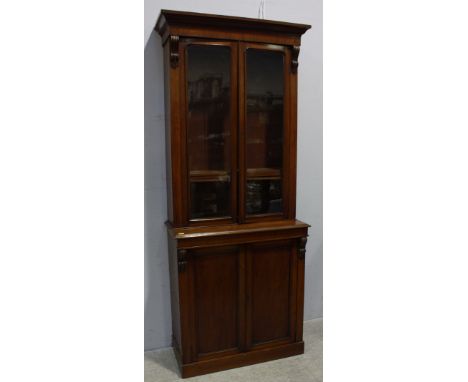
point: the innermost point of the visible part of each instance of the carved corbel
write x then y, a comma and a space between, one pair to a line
301, 248
174, 51
181, 259
294, 58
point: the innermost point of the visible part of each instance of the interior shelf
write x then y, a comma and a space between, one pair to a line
263, 173
209, 176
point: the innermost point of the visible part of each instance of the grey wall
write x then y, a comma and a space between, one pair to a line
309, 171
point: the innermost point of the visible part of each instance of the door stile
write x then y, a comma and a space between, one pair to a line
286, 172
248, 296
184, 177
234, 130
241, 141
292, 290
300, 269
193, 316
242, 299
292, 76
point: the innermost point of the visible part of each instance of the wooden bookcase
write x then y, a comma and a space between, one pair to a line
236, 250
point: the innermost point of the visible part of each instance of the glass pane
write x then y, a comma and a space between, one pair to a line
264, 130
208, 128
209, 199
263, 196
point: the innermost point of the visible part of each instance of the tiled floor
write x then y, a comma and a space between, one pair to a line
161, 366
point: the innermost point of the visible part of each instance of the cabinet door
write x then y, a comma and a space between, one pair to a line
217, 301
264, 130
210, 104
271, 292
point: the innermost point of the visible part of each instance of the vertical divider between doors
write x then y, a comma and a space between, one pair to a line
248, 295
242, 299
234, 131
241, 139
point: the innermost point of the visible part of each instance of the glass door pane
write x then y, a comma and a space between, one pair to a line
264, 130
208, 76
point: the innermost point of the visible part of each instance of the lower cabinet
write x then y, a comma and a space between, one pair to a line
239, 304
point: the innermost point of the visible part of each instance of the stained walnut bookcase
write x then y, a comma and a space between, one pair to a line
236, 250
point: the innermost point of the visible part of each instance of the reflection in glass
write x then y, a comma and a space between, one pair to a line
209, 199
208, 129
264, 130
263, 196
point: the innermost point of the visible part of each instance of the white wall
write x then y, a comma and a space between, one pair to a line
309, 170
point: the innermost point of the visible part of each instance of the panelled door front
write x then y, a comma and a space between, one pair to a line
271, 292
216, 284
242, 297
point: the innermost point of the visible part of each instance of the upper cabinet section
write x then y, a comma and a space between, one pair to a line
231, 89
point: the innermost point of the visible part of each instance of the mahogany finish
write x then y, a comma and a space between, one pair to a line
270, 283
236, 250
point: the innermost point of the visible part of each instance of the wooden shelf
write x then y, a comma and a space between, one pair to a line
209, 176
263, 173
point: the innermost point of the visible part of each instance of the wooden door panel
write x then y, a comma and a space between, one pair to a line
271, 291
216, 299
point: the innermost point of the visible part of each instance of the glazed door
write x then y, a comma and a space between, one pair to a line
264, 102
209, 99
236, 135
271, 293
216, 284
